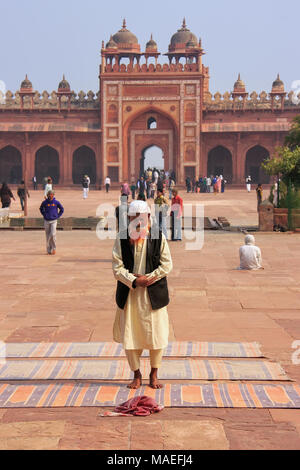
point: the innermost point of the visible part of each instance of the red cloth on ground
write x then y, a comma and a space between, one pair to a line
139, 406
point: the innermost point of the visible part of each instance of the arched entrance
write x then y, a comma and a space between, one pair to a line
152, 157
152, 137
219, 162
254, 158
10, 165
84, 163
47, 164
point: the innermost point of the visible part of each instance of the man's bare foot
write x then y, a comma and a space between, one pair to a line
154, 382
137, 381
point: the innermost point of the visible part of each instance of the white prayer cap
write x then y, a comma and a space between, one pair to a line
138, 207
249, 240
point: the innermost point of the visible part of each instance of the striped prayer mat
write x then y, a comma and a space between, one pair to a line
171, 369
227, 395
174, 349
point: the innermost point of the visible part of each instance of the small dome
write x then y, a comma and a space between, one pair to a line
124, 36
26, 84
183, 36
64, 85
239, 84
278, 83
151, 44
111, 44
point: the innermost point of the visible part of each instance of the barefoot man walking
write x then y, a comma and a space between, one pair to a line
141, 263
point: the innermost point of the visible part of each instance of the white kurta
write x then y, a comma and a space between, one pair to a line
250, 257
138, 326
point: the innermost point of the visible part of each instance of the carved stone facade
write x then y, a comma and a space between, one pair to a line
65, 135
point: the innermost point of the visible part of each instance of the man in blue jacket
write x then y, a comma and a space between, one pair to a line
51, 210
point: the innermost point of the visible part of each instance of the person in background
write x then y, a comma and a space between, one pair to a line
48, 187
176, 215
51, 210
171, 187
133, 189
152, 189
188, 184
223, 182
21, 193
248, 183
121, 214
85, 186
208, 184
6, 196
125, 189
148, 187
259, 194
107, 183
161, 210
250, 255
34, 182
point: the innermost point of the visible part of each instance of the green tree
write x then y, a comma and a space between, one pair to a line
286, 164
292, 140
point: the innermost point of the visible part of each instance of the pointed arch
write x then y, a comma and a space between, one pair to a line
11, 169
84, 163
47, 164
219, 162
254, 158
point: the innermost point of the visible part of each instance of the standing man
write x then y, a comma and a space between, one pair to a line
176, 215
34, 182
21, 193
248, 183
133, 189
140, 265
51, 210
85, 186
107, 183
161, 211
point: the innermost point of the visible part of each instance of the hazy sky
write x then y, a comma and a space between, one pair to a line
46, 38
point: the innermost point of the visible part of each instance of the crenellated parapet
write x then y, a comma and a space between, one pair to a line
50, 101
254, 101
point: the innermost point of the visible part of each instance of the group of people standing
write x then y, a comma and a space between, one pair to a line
206, 184
153, 180
163, 206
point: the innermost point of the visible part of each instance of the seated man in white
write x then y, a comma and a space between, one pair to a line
250, 255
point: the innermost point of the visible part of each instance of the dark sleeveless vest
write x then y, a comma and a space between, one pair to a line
158, 292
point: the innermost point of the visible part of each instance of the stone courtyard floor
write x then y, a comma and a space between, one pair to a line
70, 297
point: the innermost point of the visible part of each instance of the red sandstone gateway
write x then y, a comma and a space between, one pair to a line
142, 103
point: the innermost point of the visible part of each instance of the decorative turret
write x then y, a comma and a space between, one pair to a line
64, 90
239, 91
185, 44
239, 85
278, 85
183, 37
26, 84
26, 90
151, 45
64, 85
125, 39
277, 92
